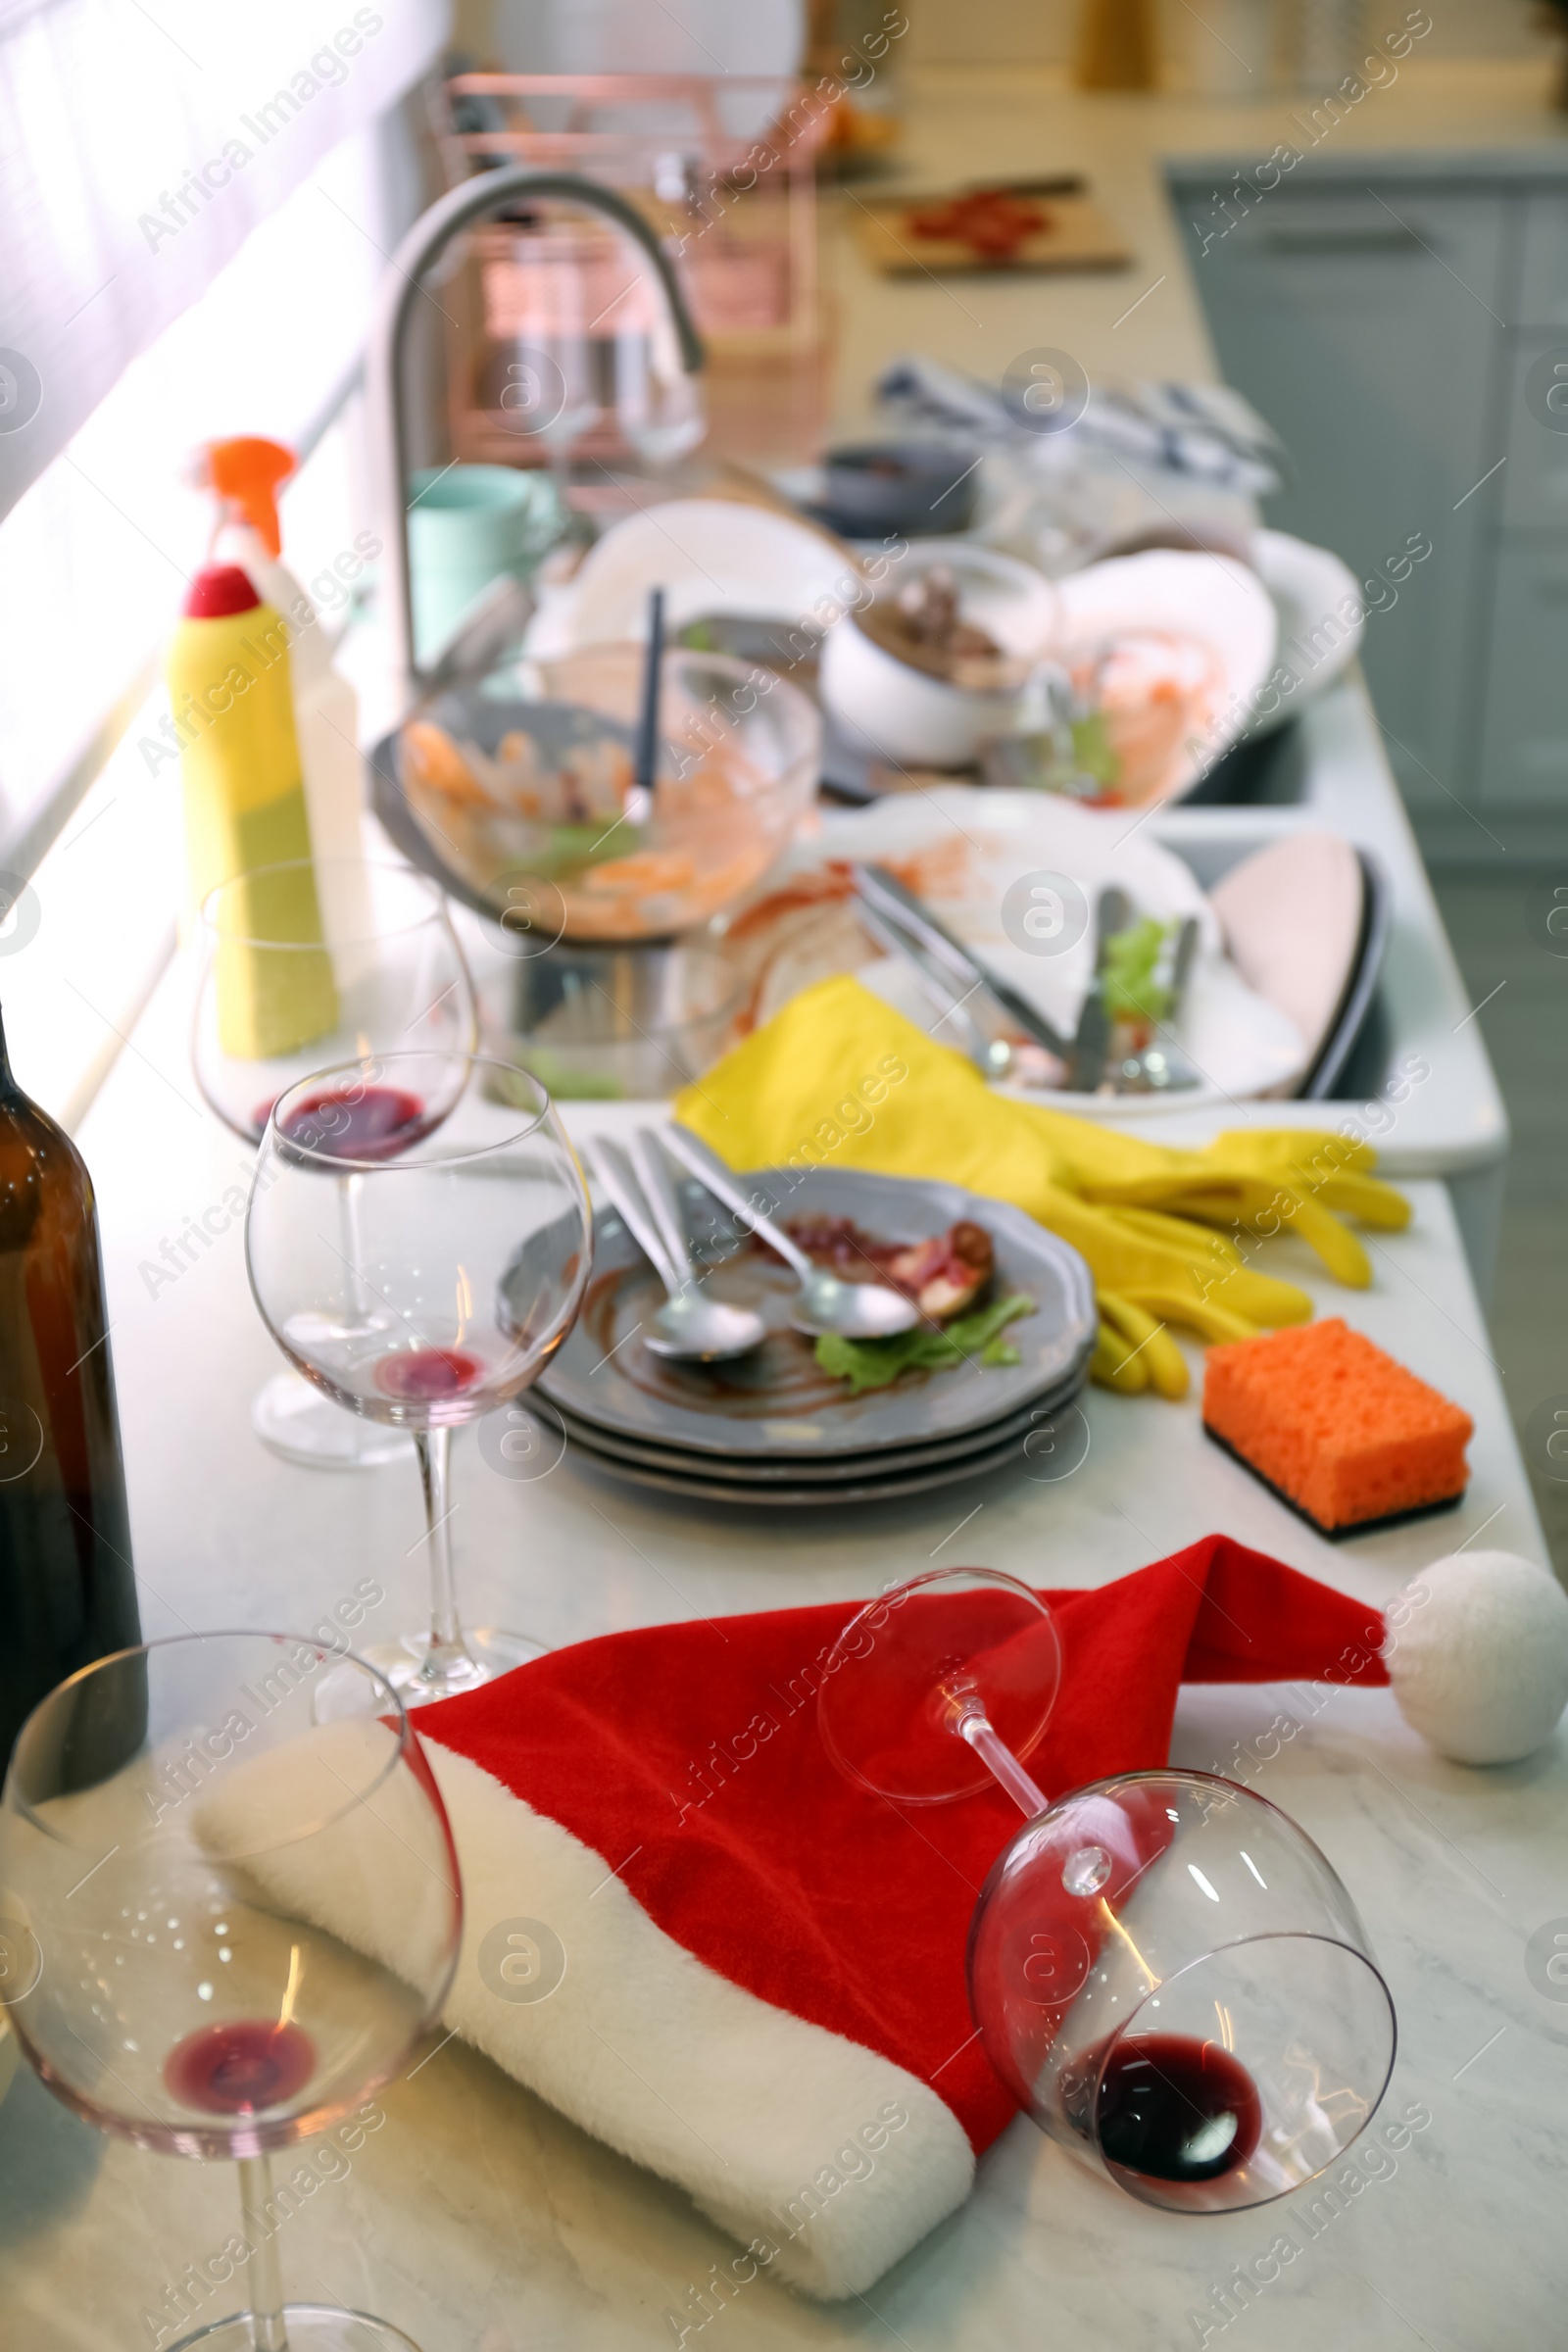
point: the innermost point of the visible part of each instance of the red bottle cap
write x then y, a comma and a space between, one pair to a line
220, 589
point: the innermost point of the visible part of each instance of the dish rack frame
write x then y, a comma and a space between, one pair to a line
736, 215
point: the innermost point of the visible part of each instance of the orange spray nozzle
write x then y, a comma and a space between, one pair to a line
247, 474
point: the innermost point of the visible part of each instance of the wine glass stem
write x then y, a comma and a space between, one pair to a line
1003, 1766
348, 1202
447, 1645
266, 2272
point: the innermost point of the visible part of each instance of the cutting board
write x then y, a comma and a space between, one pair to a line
1078, 234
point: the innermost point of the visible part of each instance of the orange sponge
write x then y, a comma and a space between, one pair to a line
1339, 1430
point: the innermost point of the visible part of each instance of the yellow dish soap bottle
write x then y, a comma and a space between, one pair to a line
232, 694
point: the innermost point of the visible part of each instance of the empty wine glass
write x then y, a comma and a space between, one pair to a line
1163, 1968
466, 1270
169, 1821
305, 963
659, 406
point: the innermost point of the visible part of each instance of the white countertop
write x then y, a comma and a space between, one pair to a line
966, 122
476, 2218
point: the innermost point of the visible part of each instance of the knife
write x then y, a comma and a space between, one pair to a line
1086, 1059
884, 895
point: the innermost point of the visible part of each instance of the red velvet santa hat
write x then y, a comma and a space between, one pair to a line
752, 1975
690, 1933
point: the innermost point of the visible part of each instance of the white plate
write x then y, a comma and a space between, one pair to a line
1166, 592
1293, 916
975, 841
709, 554
1322, 617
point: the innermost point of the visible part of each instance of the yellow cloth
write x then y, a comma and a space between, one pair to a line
838, 1079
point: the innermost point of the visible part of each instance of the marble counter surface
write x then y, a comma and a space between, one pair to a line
480, 2222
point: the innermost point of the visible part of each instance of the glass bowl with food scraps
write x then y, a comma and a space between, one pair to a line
520, 792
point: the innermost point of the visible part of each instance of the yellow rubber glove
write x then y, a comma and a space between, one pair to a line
838, 1079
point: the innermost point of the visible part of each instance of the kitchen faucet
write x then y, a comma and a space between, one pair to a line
426, 241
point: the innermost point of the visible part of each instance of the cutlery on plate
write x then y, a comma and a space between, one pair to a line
688, 1328
855, 1310
884, 895
992, 1055
1086, 1061
1161, 1067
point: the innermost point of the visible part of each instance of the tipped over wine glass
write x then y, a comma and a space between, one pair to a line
468, 1262
1164, 1969
169, 1821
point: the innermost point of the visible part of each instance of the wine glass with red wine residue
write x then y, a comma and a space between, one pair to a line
304, 965
1164, 1969
173, 1818
468, 1262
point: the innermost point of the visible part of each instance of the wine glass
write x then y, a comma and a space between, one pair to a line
169, 1820
465, 1272
1165, 1971
659, 407
551, 392
305, 963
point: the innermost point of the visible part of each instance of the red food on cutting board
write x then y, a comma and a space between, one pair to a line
1340, 1431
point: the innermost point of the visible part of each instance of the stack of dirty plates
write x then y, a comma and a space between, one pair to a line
773, 1427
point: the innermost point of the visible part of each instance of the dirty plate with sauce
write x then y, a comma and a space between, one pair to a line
779, 1414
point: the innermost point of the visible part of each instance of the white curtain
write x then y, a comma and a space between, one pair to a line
139, 146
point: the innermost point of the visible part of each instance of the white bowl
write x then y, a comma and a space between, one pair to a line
1212, 600
893, 710
1322, 619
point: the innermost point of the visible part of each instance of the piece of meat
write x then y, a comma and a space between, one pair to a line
947, 1274
943, 1275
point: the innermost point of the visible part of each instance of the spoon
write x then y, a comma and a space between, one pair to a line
854, 1310
688, 1328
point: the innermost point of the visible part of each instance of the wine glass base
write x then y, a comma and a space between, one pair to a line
298, 1422
310, 2327
491, 1654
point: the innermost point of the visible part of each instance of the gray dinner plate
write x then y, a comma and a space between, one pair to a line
777, 1401
833, 1470
1013, 1453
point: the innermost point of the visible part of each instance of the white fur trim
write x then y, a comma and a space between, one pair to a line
764, 2120
1478, 1656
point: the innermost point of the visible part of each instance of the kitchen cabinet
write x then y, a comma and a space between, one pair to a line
1385, 319
1523, 751
1543, 260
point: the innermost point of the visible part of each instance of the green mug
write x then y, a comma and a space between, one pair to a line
468, 525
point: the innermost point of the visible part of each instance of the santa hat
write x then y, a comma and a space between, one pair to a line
688, 1932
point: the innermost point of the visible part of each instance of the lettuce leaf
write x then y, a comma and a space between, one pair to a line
1129, 987
877, 1363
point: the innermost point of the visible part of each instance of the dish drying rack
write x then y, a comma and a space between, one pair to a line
736, 211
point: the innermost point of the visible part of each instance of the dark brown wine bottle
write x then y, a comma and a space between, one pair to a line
68, 1592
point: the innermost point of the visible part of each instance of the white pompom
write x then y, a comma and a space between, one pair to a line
1478, 1655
